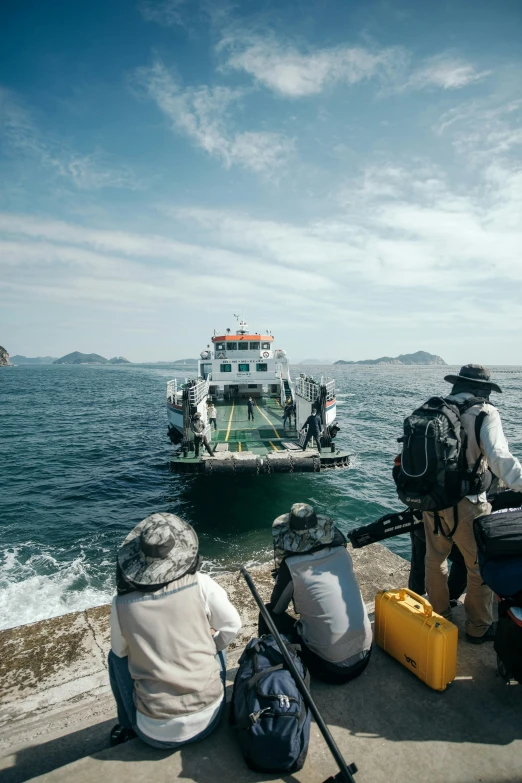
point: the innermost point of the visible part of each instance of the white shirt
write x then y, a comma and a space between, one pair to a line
224, 619
211, 412
494, 446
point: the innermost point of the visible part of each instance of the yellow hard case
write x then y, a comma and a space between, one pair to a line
424, 642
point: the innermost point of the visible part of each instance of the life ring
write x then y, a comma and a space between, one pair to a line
265, 354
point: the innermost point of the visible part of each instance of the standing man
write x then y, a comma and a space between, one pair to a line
313, 429
212, 415
487, 449
287, 413
250, 405
198, 428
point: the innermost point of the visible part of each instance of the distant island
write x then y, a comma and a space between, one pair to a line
89, 358
315, 362
420, 357
36, 360
4, 358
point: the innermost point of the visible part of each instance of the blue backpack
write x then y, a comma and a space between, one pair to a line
271, 720
502, 574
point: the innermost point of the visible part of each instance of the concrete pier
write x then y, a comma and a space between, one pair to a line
56, 709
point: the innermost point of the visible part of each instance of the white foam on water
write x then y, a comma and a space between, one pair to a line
28, 595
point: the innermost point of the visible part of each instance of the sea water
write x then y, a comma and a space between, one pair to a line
84, 457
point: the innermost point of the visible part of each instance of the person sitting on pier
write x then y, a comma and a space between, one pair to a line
315, 570
250, 406
198, 428
170, 626
313, 430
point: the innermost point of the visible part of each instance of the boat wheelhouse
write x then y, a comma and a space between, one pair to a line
233, 370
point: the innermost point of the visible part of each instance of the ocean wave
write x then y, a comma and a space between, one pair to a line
40, 587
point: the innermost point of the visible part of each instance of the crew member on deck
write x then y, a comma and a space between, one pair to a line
212, 415
313, 429
198, 428
250, 405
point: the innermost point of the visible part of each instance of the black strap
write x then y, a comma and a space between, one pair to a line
479, 420
260, 674
437, 526
455, 521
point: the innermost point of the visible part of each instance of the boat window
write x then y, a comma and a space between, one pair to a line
219, 346
244, 368
261, 367
231, 346
254, 346
243, 346
265, 346
225, 368
252, 386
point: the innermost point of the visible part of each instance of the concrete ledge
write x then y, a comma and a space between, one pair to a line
57, 710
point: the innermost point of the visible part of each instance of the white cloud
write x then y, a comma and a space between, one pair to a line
85, 172
445, 71
203, 114
296, 74
289, 72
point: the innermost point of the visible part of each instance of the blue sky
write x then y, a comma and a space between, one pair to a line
347, 174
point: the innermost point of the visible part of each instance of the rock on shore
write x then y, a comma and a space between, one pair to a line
4, 358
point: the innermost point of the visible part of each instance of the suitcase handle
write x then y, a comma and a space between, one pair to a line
428, 608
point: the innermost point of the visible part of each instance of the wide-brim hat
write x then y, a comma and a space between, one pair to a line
474, 373
159, 550
300, 531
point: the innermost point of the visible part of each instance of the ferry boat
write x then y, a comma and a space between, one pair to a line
231, 370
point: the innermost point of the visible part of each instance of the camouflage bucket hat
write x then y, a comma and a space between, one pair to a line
160, 549
300, 531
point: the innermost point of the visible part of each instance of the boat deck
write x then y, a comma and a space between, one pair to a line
259, 446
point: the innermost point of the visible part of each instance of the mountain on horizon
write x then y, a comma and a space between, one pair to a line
418, 358
316, 362
81, 358
16, 359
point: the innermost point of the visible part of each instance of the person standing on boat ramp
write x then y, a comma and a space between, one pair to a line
313, 430
287, 413
212, 415
250, 405
198, 428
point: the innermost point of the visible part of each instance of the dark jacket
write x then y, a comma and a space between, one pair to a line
313, 424
198, 427
250, 404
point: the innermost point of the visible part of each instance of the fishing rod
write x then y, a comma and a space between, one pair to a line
346, 771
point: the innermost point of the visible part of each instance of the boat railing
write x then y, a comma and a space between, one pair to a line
172, 390
197, 391
308, 388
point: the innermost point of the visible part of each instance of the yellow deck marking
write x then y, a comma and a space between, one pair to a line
268, 420
229, 423
274, 447
239, 446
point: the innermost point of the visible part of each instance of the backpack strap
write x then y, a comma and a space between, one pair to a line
252, 682
437, 527
479, 421
455, 521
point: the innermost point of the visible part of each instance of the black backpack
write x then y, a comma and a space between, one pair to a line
271, 719
434, 472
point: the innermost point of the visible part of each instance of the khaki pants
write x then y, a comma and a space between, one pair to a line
478, 602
